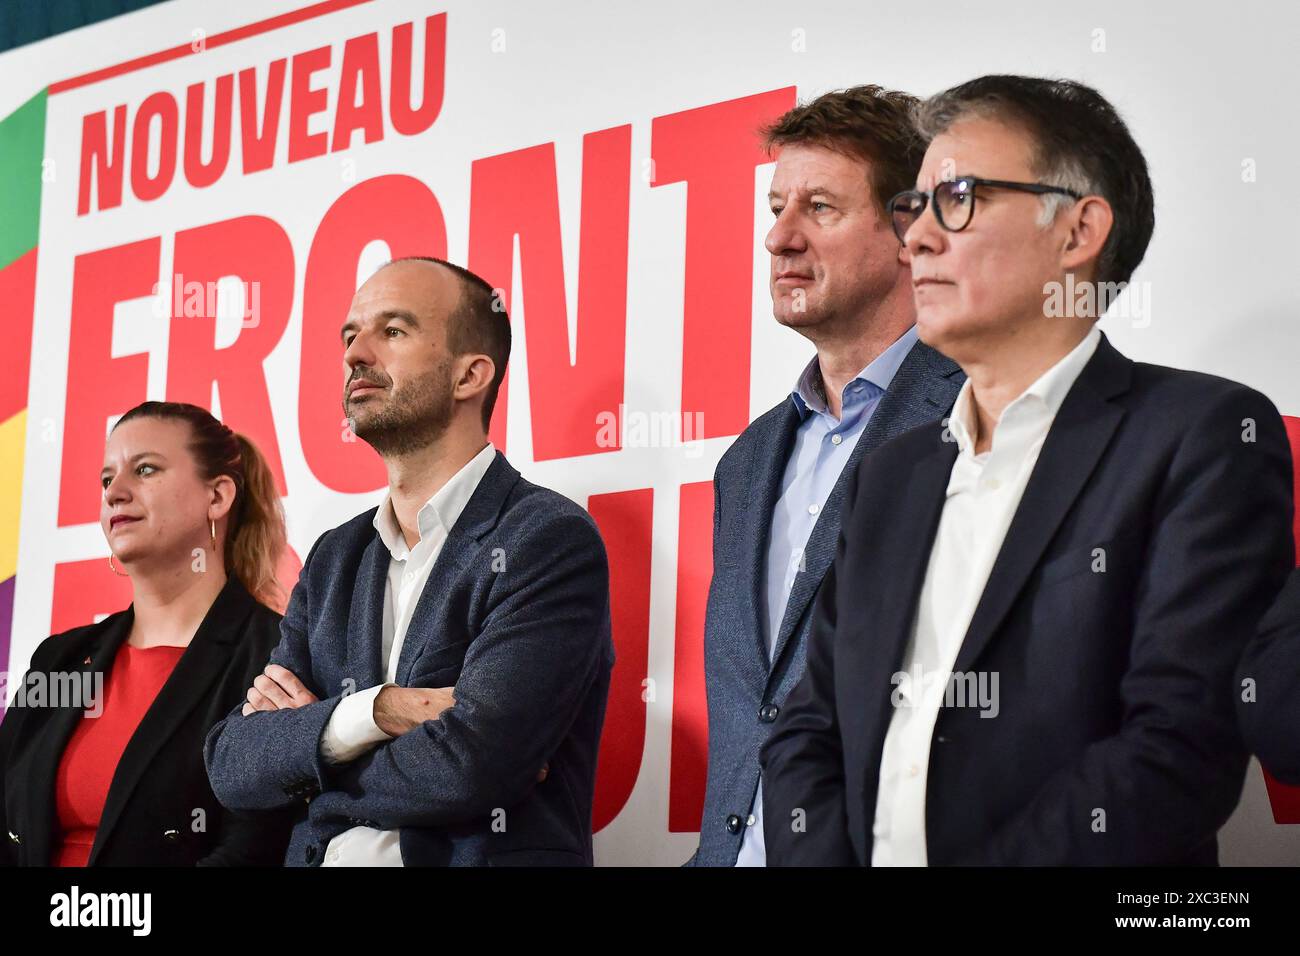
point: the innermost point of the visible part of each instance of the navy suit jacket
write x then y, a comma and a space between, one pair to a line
515, 615
744, 690
1116, 740
1271, 721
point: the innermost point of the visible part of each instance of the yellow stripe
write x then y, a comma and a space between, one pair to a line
13, 440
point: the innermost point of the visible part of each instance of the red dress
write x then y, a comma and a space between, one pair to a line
95, 747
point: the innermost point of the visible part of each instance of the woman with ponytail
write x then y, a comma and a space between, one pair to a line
192, 516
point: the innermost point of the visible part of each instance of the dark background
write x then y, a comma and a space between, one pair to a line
26, 21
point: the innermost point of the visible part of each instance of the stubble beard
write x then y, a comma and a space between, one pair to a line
410, 418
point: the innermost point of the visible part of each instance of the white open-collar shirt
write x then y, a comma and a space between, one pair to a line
983, 494
351, 730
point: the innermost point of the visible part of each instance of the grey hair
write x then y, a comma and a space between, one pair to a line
937, 115
1079, 143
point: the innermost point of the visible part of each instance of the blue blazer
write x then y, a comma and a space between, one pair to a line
744, 692
515, 615
1153, 534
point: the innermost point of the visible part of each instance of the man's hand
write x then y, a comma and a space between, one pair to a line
399, 709
277, 688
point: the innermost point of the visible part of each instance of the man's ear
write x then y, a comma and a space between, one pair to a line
1090, 223
474, 376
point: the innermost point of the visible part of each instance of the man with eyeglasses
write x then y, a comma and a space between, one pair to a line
1024, 650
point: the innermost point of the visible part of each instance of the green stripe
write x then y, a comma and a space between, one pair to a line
22, 148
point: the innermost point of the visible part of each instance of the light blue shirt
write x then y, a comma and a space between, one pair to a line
823, 445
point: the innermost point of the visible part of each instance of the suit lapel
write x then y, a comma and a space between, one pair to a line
479, 517
366, 615
906, 539
767, 470
201, 664
100, 646
1074, 445
924, 387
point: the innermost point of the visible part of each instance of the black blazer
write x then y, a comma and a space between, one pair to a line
1271, 720
1116, 739
150, 815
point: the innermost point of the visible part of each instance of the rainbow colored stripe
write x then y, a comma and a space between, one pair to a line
22, 149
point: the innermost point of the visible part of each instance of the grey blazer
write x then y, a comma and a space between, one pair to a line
745, 694
515, 615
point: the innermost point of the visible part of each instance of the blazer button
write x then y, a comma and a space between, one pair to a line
311, 854
171, 836
734, 824
13, 837
767, 713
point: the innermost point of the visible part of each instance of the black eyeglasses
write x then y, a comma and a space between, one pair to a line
954, 202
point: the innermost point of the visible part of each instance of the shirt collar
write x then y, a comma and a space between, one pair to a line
807, 394
440, 511
1047, 393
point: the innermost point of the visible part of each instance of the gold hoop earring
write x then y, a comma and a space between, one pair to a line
214, 536
113, 567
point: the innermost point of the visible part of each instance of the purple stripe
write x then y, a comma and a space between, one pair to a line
6, 622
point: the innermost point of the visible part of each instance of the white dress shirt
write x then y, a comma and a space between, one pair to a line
351, 730
983, 494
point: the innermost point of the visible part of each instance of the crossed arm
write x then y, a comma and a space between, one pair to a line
394, 710
455, 754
